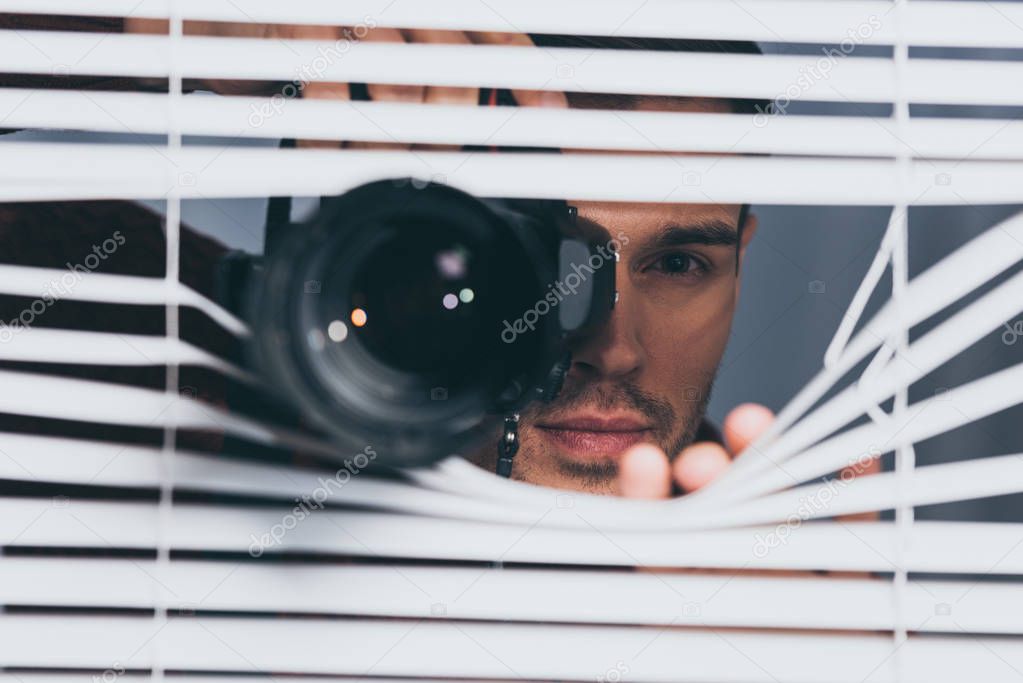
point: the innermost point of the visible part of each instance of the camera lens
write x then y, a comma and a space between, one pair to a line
399, 342
420, 304
415, 301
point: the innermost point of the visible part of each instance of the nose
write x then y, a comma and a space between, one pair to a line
613, 351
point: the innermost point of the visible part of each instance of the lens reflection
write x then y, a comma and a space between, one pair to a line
408, 300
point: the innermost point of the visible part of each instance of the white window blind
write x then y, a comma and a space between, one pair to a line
142, 566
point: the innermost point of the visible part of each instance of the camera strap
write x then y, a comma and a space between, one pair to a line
508, 445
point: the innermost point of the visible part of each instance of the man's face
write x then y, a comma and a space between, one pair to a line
646, 375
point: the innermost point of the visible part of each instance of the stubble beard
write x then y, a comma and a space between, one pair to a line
672, 432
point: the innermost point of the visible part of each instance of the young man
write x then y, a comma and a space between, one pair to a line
646, 375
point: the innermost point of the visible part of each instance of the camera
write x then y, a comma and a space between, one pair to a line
411, 316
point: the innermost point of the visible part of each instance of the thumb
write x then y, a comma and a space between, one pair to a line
644, 472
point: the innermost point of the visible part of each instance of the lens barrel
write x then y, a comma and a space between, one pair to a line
384, 319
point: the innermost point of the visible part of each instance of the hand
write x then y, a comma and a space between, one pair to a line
318, 89
645, 471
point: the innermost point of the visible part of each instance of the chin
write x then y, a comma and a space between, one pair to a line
566, 471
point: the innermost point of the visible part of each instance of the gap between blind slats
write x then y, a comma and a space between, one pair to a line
44, 171
964, 24
867, 79
467, 593
936, 546
429, 648
144, 113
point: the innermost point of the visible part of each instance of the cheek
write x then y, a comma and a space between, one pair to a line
687, 342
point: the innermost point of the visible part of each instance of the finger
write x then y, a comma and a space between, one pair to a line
384, 92
440, 94
314, 89
390, 92
525, 98
138, 25
433, 35
700, 464
744, 424
644, 473
324, 91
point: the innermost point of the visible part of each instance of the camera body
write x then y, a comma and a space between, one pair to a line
410, 316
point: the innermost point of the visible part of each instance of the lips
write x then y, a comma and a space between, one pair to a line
594, 436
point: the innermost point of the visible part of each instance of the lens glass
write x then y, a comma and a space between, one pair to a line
416, 300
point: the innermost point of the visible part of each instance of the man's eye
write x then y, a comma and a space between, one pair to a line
678, 263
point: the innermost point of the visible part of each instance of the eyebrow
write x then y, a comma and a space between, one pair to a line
708, 231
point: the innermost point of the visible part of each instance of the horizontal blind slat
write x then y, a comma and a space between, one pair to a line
860, 79
965, 24
688, 74
930, 485
44, 676
465, 593
42, 345
924, 419
144, 113
935, 546
37, 459
63, 398
44, 171
41, 283
396, 648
